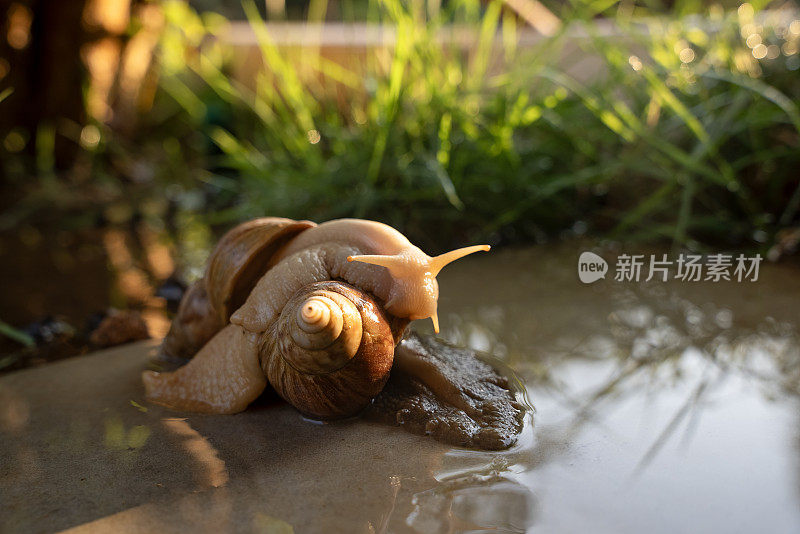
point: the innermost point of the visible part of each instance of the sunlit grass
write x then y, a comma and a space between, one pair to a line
629, 121
683, 134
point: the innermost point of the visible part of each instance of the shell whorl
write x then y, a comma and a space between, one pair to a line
242, 256
330, 351
325, 331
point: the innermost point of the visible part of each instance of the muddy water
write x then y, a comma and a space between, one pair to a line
660, 407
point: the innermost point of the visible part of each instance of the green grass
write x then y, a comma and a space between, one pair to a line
500, 142
17, 335
682, 136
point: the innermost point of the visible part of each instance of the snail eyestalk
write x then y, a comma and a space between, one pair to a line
397, 264
418, 273
439, 262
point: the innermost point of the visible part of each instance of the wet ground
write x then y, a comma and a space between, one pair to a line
660, 407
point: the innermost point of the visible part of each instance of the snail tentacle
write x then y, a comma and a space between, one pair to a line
418, 269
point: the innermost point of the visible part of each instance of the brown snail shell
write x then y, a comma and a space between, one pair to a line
330, 351
242, 256
194, 325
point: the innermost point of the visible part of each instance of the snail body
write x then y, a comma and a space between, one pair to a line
367, 254
313, 310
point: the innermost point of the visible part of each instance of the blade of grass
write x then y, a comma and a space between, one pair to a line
762, 89
290, 84
650, 204
17, 335
483, 51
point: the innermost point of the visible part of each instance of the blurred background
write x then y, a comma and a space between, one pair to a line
133, 133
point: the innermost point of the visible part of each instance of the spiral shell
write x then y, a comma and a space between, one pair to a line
330, 351
242, 256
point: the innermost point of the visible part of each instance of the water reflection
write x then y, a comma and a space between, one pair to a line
479, 491
469, 505
642, 390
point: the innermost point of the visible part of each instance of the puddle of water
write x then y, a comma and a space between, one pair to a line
659, 406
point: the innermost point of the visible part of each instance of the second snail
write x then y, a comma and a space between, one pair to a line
319, 313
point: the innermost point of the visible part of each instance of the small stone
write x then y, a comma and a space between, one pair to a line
119, 327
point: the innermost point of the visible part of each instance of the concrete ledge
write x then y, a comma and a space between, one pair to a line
80, 448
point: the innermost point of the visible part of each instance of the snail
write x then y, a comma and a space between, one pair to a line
315, 311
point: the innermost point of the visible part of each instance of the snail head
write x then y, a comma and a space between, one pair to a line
415, 293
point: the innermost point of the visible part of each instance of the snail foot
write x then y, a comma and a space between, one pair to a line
224, 377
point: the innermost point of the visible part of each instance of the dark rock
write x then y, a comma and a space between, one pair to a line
450, 394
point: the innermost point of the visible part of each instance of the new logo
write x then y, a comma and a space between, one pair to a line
591, 267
